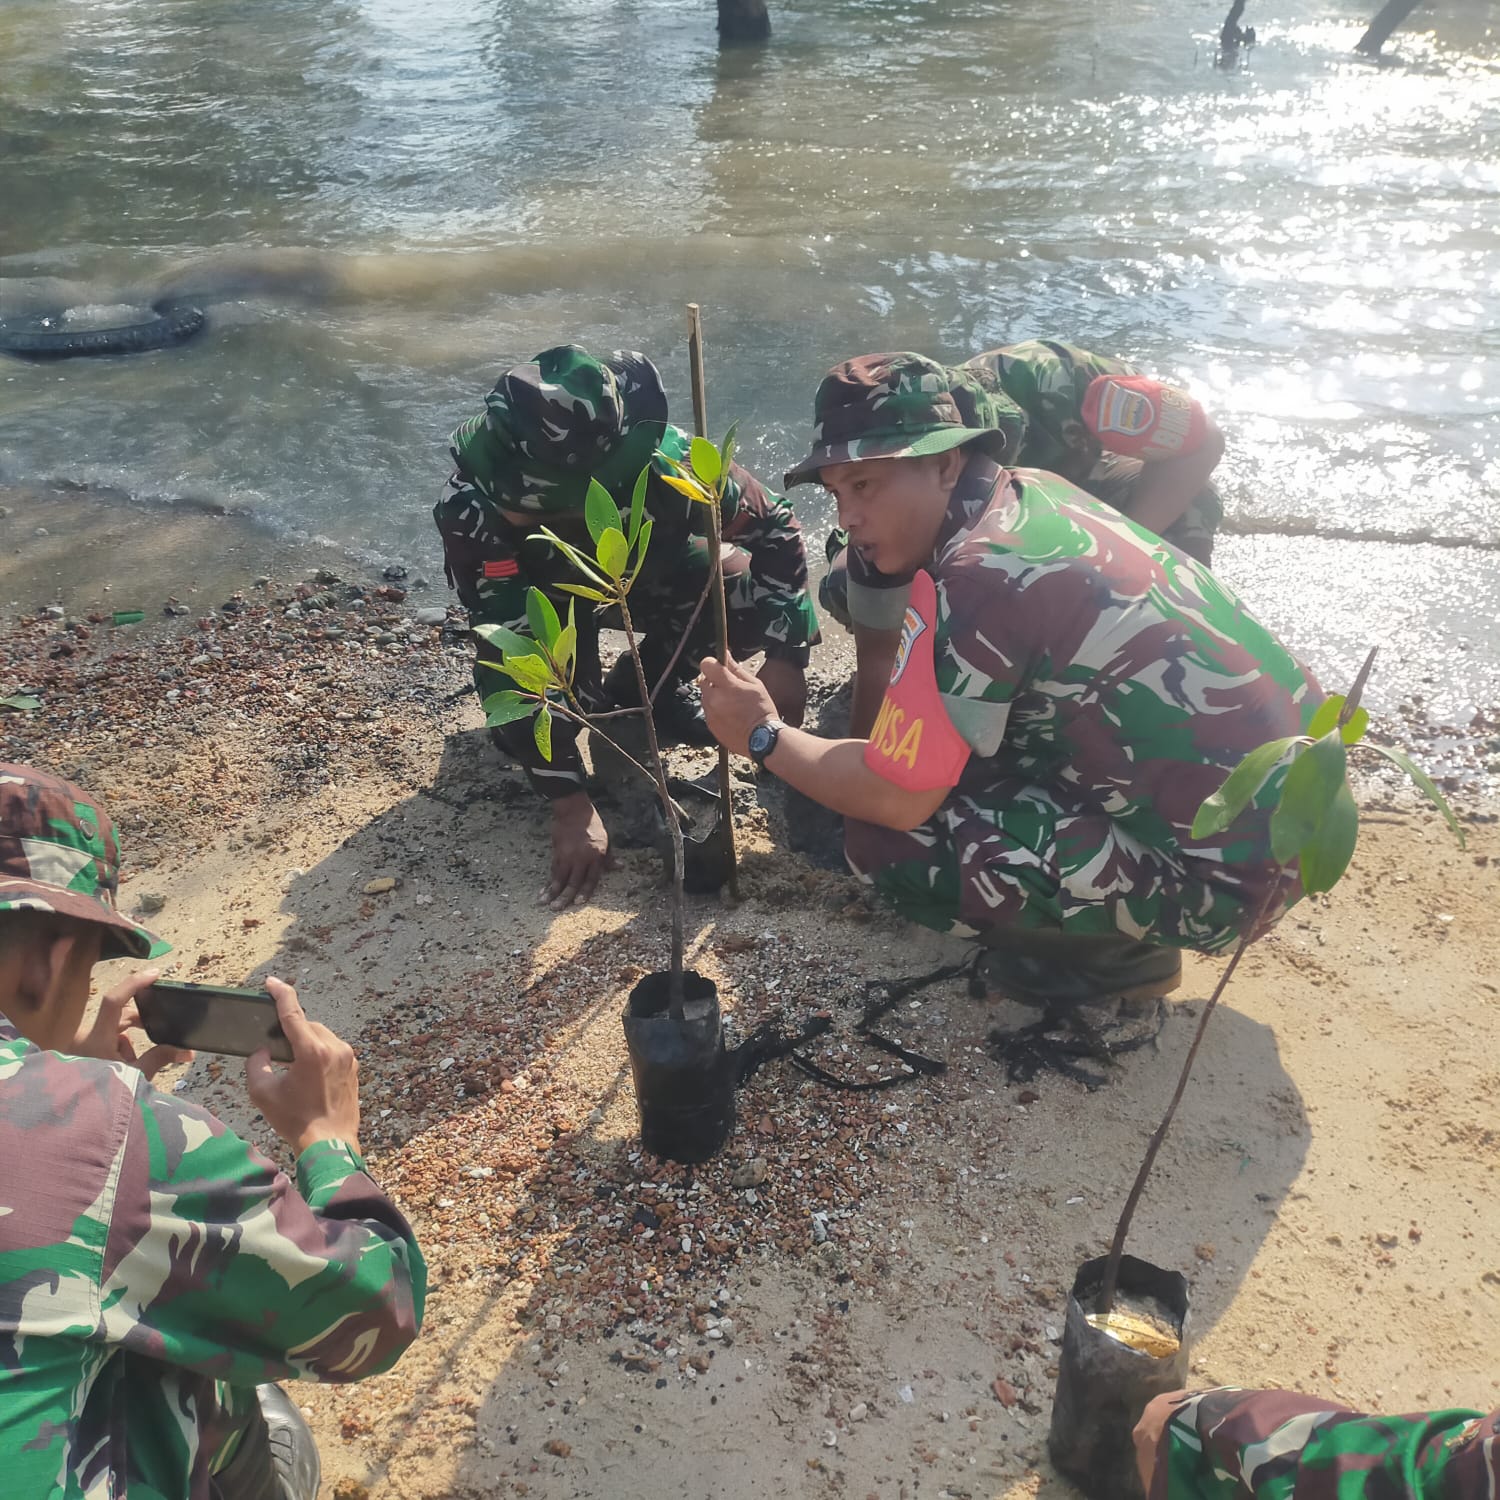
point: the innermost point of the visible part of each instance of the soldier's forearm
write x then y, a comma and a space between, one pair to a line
834, 773
1168, 486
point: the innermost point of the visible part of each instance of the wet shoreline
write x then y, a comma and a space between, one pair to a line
83, 555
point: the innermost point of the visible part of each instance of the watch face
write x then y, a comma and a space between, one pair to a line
762, 737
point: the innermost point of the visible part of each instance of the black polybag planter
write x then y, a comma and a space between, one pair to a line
684, 1078
707, 855
1103, 1386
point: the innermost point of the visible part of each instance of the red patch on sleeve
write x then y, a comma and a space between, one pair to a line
507, 567
1142, 418
914, 744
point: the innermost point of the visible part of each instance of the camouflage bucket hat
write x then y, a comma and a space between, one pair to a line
550, 426
904, 406
58, 853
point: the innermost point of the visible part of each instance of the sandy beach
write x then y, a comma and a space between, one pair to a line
863, 1294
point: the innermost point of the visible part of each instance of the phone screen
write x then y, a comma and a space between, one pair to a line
210, 1018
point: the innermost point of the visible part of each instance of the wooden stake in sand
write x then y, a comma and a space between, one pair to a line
716, 577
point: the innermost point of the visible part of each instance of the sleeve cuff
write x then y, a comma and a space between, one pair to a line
798, 656
323, 1168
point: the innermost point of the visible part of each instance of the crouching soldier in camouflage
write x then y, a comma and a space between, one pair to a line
1066, 693
1276, 1445
548, 427
1142, 447
155, 1270
1138, 444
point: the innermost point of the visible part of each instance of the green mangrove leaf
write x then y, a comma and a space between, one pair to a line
707, 464
584, 592
509, 642
614, 552
541, 729
504, 706
638, 503
1306, 795
1240, 787
1423, 781
531, 672
1326, 855
24, 702
542, 617
566, 650
600, 511
1328, 715
640, 552
726, 451
576, 559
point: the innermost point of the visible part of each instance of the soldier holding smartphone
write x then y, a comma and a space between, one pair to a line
156, 1271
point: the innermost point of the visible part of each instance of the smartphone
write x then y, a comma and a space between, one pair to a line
211, 1018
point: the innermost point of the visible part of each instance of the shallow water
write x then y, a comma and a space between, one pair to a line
383, 203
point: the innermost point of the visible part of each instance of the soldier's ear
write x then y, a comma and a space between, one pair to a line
48, 966
950, 464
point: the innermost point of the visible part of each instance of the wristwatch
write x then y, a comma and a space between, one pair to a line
763, 740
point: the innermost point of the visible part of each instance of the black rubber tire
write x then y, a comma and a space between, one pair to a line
170, 323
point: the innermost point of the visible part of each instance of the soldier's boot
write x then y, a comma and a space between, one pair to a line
678, 712
1071, 981
294, 1452
1054, 970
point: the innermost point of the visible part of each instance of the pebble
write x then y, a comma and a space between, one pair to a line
907, 1394
148, 905
380, 885
858, 1412
752, 1174
433, 615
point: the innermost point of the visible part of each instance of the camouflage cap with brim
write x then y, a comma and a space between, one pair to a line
58, 853
905, 406
551, 425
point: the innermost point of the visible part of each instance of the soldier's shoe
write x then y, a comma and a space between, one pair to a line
1047, 969
294, 1452
679, 717
678, 710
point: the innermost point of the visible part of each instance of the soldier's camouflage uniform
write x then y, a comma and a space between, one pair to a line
1047, 380
1033, 394
154, 1267
1106, 686
549, 426
1276, 1445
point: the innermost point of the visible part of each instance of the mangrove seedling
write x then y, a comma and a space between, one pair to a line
542, 664
1314, 828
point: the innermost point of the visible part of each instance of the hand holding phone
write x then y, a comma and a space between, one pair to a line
108, 1037
317, 1098
212, 1018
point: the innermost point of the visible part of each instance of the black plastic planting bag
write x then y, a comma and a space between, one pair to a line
706, 851
684, 1078
1103, 1386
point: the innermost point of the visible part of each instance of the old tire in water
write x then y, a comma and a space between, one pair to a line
48, 337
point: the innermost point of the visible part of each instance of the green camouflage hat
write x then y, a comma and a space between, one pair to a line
550, 426
58, 853
905, 406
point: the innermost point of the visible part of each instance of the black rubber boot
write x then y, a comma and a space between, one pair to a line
678, 711
1044, 969
294, 1452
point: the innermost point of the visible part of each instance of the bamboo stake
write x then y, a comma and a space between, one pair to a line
716, 575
